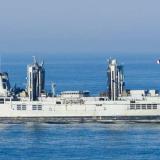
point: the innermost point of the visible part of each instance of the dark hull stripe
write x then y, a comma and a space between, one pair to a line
108, 119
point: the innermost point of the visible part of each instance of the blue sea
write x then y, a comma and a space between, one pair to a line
37, 141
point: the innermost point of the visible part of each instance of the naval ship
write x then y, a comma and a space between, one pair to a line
117, 104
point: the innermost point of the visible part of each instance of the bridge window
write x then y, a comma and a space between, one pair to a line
138, 106
1, 100
101, 99
154, 106
7, 99
39, 107
143, 106
34, 107
149, 106
18, 107
132, 106
98, 104
23, 107
4, 86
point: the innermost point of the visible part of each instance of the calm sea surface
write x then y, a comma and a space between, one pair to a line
82, 141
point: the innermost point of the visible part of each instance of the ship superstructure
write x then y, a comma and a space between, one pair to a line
35, 104
4, 84
35, 80
116, 83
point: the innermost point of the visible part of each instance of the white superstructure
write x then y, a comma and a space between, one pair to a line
35, 80
134, 105
4, 84
115, 79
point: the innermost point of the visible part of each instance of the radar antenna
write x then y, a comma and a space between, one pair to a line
34, 59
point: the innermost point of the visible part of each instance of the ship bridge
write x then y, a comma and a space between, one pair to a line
74, 94
74, 97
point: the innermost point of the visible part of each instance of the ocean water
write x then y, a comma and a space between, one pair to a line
82, 141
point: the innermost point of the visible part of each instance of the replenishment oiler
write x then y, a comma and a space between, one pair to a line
117, 104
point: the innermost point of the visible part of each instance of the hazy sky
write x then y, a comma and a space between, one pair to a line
79, 26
